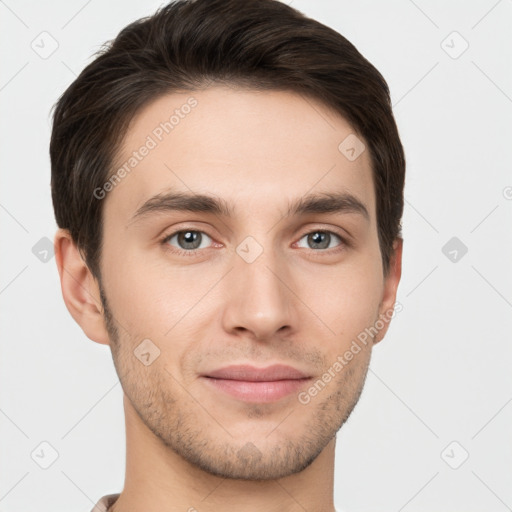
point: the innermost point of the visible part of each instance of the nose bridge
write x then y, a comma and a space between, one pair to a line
259, 301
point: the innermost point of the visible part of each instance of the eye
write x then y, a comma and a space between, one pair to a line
188, 240
320, 240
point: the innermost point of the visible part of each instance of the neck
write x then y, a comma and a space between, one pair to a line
159, 479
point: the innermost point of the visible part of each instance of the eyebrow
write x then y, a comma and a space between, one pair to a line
326, 202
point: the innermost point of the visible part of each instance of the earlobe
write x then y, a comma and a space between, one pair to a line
391, 282
80, 289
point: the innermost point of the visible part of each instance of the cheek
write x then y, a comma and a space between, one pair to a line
346, 300
154, 298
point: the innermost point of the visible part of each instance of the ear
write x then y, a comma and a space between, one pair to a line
80, 289
391, 281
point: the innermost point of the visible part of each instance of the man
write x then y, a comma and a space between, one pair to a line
227, 177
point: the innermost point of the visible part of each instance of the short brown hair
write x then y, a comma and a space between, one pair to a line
189, 45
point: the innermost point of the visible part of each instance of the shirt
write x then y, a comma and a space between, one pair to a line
105, 503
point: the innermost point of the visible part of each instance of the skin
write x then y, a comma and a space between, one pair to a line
189, 445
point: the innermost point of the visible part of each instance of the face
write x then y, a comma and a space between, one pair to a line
250, 297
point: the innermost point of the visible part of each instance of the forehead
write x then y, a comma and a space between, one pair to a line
254, 148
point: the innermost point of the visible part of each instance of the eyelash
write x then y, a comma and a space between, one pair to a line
194, 252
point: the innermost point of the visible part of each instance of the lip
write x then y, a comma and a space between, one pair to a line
253, 374
258, 385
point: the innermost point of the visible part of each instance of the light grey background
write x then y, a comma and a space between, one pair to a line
443, 372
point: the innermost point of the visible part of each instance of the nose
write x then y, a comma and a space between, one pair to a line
259, 299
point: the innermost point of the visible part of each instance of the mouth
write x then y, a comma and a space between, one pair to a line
257, 385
